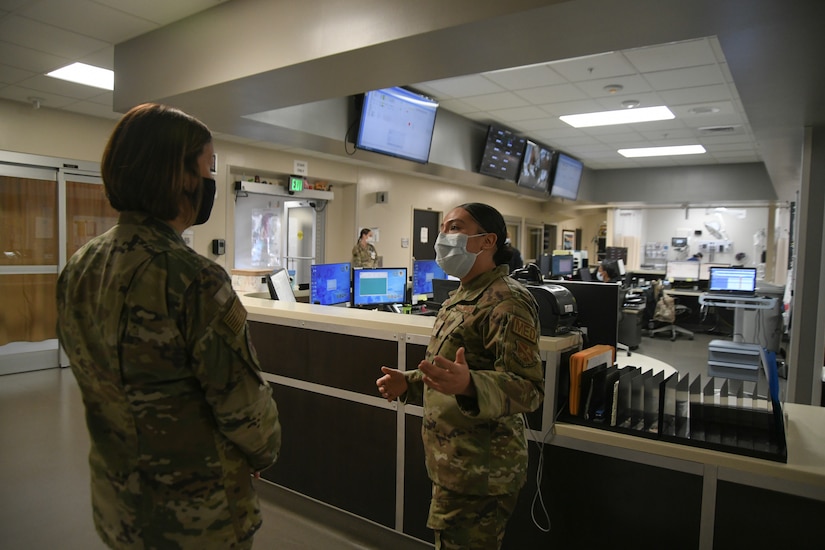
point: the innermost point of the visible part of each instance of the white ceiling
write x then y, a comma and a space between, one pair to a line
691, 77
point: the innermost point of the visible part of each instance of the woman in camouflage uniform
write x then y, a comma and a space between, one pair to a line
481, 371
179, 415
363, 253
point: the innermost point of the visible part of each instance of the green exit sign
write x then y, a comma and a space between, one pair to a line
296, 184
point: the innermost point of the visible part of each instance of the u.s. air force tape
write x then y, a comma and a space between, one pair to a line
235, 317
521, 328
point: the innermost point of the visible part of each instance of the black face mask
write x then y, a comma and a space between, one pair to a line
207, 200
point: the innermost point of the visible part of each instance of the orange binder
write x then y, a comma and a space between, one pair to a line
580, 362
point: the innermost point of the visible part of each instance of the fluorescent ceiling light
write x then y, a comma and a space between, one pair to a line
86, 74
622, 116
662, 151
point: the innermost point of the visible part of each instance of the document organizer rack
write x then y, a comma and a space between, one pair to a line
629, 401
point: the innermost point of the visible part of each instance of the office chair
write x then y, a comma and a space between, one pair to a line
664, 314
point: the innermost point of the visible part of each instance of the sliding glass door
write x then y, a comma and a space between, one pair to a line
46, 214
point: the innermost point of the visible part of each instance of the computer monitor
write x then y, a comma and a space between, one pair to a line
678, 242
330, 284
424, 271
704, 270
545, 265
279, 285
562, 265
682, 271
442, 289
585, 274
379, 286
732, 280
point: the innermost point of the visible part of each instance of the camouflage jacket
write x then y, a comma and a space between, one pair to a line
477, 445
177, 409
364, 257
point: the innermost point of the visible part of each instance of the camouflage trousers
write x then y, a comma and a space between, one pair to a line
469, 522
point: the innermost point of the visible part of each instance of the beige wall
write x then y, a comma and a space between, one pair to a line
73, 136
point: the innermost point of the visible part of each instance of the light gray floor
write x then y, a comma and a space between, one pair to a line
44, 481
44, 476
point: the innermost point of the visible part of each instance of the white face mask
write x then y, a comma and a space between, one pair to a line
451, 253
599, 276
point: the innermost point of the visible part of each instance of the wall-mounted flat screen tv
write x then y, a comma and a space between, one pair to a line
535, 168
397, 122
502, 155
567, 176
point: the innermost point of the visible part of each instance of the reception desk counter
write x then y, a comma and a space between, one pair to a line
347, 447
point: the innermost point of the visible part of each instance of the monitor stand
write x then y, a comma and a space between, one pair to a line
392, 308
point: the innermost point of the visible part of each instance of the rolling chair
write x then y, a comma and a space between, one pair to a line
668, 313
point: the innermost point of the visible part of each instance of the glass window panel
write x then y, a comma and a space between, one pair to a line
28, 215
88, 214
29, 312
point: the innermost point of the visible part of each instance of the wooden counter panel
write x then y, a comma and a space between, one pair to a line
752, 517
338, 452
341, 361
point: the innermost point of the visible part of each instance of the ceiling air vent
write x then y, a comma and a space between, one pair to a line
719, 130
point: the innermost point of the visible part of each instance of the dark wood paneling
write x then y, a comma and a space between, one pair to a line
601, 502
347, 362
338, 452
750, 517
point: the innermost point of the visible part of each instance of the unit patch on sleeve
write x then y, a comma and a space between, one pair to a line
521, 328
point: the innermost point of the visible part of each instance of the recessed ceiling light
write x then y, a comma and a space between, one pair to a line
622, 116
630, 103
89, 75
662, 151
613, 88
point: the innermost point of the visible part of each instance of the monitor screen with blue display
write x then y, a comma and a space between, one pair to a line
329, 284
424, 271
379, 286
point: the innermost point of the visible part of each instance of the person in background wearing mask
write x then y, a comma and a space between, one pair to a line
608, 271
363, 253
481, 371
179, 415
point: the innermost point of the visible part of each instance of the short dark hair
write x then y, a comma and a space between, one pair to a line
611, 267
151, 160
491, 221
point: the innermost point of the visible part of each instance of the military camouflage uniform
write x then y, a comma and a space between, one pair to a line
364, 257
476, 446
177, 409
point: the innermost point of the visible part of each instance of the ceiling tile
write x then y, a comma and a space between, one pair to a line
28, 59
668, 56
89, 18
456, 106
582, 69
17, 93
705, 75
696, 94
631, 85
47, 38
161, 12
572, 107
463, 86
552, 94
12, 75
521, 78
517, 113
501, 100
